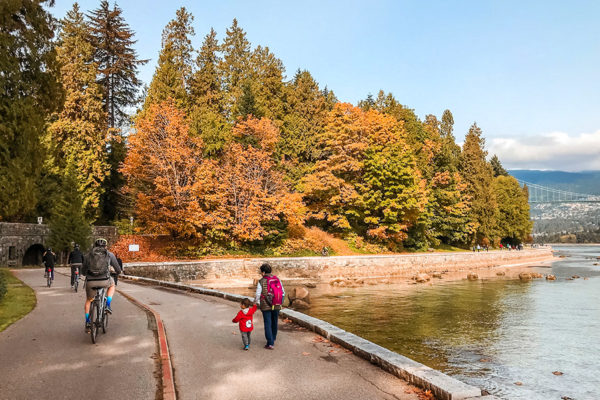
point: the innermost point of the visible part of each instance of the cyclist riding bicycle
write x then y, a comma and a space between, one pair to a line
97, 269
76, 261
49, 260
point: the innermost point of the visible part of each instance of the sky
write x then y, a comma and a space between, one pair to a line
528, 72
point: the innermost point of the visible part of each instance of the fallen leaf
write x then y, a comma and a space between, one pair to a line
519, 383
557, 373
304, 353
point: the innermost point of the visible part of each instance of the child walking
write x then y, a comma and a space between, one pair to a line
244, 317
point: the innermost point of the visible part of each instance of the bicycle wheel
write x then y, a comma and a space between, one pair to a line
94, 319
76, 284
104, 320
49, 280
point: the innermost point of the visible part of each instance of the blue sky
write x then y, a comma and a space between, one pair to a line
527, 71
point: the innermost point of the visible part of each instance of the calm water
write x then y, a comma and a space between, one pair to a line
491, 333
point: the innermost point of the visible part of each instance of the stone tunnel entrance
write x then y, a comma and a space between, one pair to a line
33, 255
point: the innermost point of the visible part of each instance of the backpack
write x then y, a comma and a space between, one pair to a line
274, 296
98, 262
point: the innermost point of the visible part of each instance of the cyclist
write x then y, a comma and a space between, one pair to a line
49, 259
76, 261
97, 269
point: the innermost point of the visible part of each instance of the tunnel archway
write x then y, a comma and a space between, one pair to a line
33, 255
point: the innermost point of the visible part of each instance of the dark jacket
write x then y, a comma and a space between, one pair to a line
49, 259
76, 257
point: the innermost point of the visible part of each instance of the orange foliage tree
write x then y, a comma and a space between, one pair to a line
368, 183
162, 170
252, 191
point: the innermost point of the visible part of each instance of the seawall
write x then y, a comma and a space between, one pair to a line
322, 268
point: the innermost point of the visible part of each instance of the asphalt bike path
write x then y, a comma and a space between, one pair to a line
48, 355
209, 363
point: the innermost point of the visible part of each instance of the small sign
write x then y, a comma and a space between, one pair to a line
40, 220
134, 247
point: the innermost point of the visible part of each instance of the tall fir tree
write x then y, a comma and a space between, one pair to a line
29, 92
117, 61
207, 118
118, 64
303, 124
478, 175
267, 78
235, 67
175, 63
78, 135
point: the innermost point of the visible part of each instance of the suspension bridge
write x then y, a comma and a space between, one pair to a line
548, 194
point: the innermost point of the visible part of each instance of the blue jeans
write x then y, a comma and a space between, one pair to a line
270, 318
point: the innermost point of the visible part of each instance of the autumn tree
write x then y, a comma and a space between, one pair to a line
162, 168
347, 190
175, 63
28, 94
478, 175
78, 135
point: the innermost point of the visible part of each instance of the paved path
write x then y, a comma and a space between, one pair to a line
47, 355
208, 361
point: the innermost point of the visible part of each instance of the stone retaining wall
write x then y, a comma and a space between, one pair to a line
443, 386
330, 267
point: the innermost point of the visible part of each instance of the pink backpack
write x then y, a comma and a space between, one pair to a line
274, 296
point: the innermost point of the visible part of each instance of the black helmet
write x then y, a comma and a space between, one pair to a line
76, 246
49, 249
101, 242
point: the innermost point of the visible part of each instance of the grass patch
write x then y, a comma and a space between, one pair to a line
18, 301
447, 247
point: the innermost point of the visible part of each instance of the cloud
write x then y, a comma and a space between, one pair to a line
556, 150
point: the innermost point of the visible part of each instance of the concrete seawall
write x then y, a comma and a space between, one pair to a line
318, 268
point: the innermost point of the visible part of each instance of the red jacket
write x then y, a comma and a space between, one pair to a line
245, 320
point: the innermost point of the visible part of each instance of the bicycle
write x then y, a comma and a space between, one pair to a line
98, 314
48, 277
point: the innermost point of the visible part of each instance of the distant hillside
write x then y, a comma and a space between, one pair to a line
580, 182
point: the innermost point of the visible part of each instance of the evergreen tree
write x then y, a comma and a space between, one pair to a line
497, 167
68, 223
449, 157
303, 123
478, 175
205, 85
28, 94
173, 73
207, 118
117, 62
247, 103
513, 223
267, 81
78, 136
234, 66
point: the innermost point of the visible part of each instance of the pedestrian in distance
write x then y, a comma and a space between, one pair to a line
245, 319
269, 295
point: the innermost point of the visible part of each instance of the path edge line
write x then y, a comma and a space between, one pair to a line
166, 367
443, 386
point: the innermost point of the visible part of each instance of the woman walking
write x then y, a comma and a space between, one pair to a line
269, 296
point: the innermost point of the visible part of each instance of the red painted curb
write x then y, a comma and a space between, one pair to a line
168, 382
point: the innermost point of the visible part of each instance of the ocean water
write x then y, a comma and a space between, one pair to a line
492, 333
